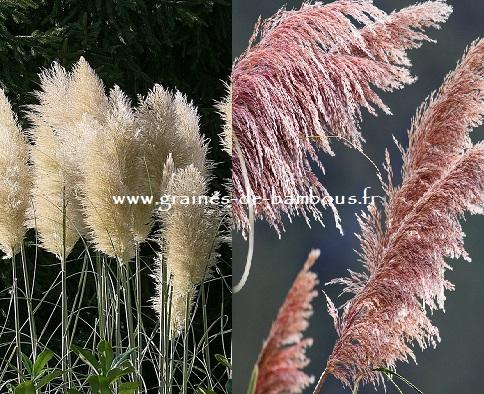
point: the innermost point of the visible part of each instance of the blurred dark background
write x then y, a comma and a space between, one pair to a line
133, 44
456, 364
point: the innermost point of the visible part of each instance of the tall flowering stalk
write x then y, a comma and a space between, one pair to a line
15, 186
405, 259
189, 238
282, 359
307, 78
64, 99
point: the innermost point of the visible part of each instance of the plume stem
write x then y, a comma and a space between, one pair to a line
128, 307
18, 349
101, 298
28, 297
119, 349
139, 318
64, 324
321, 381
239, 286
185, 347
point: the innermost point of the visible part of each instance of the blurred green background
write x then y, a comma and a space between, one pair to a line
134, 44
456, 365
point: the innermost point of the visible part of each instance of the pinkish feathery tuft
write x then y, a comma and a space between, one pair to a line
443, 177
283, 356
308, 78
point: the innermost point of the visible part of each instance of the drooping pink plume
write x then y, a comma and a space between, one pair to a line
282, 359
307, 78
405, 259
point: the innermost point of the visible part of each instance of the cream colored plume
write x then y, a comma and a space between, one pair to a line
169, 134
15, 180
111, 167
224, 108
190, 238
169, 124
64, 99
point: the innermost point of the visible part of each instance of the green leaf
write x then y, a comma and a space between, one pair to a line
253, 380
48, 378
26, 387
118, 373
99, 384
41, 361
205, 391
223, 360
73, 391
119, 360
27, 363
88, 358
128, 387
105, 356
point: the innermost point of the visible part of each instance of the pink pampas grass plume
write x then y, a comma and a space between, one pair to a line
282, 359
405, 259
307, 79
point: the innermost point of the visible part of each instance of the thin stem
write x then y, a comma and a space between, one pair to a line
28, 296
128, 308
185, 347
77, 304
16, 316
101, 303
139, 319
206, 336
65, 362
321, 381
119, 349
250, 208
106, 298
164, 326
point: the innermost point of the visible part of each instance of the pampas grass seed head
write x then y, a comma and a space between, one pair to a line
15, 180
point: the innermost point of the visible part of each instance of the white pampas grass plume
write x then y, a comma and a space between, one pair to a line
169, 134
15, 180
169, 124
189, 238
111, 167
64, 99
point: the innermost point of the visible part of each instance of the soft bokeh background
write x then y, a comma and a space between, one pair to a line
456, 365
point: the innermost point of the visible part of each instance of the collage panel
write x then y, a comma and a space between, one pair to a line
334, 99
114, 208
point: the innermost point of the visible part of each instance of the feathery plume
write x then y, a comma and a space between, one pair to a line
189, 238
15, 180
443, 177
224, 108
307, 79
280, 363
111, 167
63, 100
169, 131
